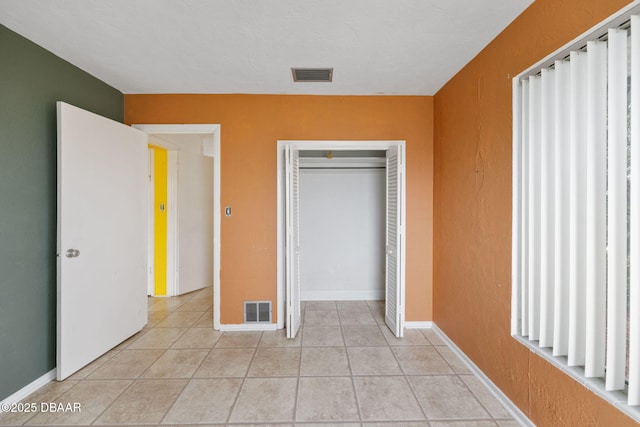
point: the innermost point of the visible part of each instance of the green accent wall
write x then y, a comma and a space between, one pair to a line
32, 79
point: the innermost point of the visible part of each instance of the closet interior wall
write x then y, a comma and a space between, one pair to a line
342, 225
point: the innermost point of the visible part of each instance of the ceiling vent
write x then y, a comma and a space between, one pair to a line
312, 74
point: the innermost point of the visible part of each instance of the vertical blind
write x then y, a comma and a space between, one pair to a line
577, 240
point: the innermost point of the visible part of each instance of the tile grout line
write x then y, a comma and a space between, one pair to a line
174, 401
93, 422
404, 373
165, 350
87, 380
459, 376
244, 378
196, 369
55, 398
297, 393
188, 381
476, 396
170, 312
406, 376
351, 376
135, 380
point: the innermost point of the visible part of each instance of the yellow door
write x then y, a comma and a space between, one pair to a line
160, 220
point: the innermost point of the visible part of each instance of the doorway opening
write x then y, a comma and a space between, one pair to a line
342, 225
341, 215
193, 207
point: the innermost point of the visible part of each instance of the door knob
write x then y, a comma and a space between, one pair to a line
72, 253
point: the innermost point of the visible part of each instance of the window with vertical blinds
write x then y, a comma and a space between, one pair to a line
576, 209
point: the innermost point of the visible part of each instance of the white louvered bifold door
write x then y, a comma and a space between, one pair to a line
292, 220
394, 301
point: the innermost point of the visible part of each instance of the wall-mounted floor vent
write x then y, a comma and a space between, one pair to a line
257, 311
312, 74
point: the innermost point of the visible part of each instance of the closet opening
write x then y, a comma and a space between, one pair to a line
340, 226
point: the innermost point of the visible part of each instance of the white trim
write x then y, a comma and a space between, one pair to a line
248, 327
151, 227
31, 387
335, 145
516, 255
216, 227
161, 143
515, 412
336, 295
342, 145
173, 278
418, 325
178, 128
214, 130
280, 236
342, 162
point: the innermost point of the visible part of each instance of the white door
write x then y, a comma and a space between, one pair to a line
394, 281
292, 226
195, 221
150, 225
102, 236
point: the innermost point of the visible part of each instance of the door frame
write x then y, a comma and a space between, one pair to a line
214, 130
333, 145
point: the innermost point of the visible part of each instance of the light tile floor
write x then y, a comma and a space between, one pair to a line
345, 368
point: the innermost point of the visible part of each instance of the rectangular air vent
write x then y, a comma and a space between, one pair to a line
312, 74
257, 311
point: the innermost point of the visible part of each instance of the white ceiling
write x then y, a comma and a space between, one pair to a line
405, 47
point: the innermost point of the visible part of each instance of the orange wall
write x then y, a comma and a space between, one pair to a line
472, 215
250, 127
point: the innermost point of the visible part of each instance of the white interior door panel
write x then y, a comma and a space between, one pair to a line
102, 236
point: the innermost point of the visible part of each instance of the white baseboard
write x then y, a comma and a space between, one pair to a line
418, 325
337, 295
31, 387
515, 412
249, 327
